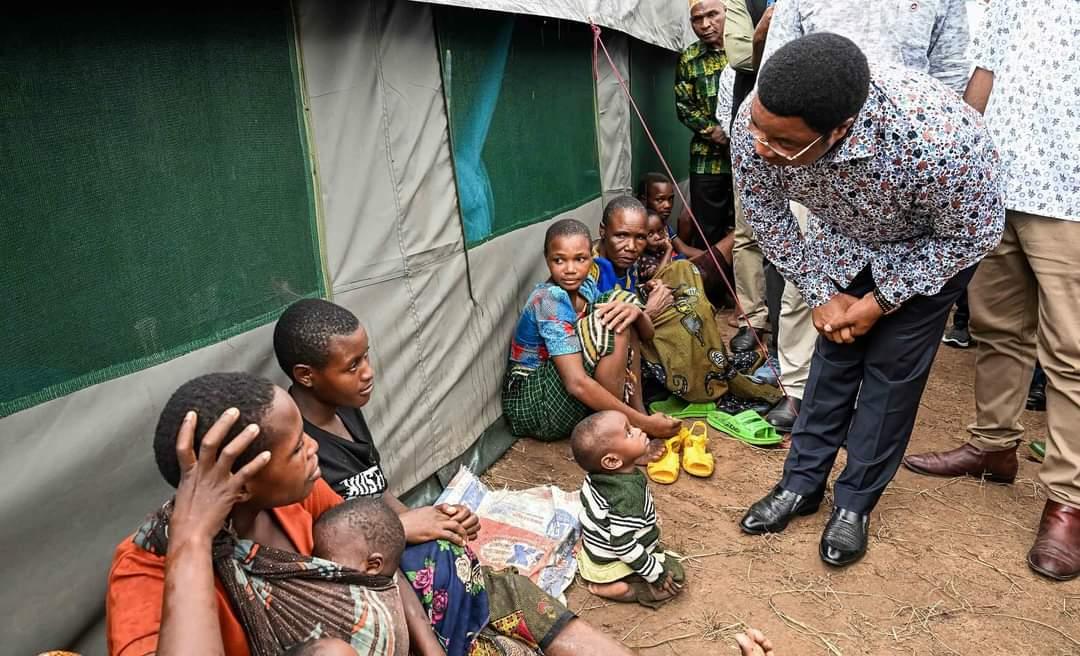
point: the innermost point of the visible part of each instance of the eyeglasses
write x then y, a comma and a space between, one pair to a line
791, 158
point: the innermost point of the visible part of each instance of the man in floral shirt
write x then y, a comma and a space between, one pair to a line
1024, 298
902, 184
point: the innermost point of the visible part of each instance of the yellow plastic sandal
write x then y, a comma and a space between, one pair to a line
666, 470
697, 461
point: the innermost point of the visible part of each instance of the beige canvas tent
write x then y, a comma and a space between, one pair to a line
174, 178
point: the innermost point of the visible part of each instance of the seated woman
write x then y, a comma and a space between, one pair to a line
224, 567
686, 353
576, 351
473, 610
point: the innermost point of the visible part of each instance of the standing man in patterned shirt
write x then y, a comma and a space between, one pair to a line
901, 179
930, 36
697, 78
1024, 299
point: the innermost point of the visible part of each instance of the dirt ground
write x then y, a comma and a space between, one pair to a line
945, 571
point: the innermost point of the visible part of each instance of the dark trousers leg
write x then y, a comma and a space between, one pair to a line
774, 291
963, 312
886, 370
713, 201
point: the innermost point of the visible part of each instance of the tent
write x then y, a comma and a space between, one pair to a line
175, 176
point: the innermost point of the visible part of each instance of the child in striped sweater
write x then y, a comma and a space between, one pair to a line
620, 556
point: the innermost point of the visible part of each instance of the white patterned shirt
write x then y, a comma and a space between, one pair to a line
929, 36
1034, 109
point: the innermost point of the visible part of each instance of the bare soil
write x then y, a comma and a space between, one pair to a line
945, 572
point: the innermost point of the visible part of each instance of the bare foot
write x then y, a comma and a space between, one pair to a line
618, 591
655, 452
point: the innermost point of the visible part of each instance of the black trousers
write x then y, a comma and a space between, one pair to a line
963, 313
885, 371
713, 200
774, 292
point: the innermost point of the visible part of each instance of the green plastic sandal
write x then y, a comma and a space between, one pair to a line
676, 407
1038, 449
747, 426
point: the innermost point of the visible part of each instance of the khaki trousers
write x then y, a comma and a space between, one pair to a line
797, 335
1025, 302
749, 274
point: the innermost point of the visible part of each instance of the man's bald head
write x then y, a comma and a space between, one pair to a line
707, 19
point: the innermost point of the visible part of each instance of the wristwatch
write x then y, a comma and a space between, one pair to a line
887, 306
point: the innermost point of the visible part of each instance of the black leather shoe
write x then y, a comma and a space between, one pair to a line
782, 416
844, 540
1036, 400
744, 340
772, 513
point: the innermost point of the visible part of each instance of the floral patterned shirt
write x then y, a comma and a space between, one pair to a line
913, 191
1033, 113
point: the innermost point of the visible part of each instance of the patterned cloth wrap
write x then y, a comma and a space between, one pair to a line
476, 611
688, 354
535, 401
283, 598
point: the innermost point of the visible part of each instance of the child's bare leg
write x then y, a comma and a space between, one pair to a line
637, 401
617, 591
611, 370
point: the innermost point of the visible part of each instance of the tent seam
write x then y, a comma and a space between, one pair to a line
406, 277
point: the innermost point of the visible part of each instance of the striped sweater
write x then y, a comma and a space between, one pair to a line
619, 522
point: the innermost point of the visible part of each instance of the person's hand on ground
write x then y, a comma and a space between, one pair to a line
617, 315
463, 516
430, 523
754, 643
660, 425
829, 318
208, 489
660, 299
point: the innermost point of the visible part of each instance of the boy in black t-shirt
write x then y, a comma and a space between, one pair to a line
323, 348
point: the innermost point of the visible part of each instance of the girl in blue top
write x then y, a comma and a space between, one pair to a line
575, 351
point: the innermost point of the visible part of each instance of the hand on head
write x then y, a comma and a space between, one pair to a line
208, 489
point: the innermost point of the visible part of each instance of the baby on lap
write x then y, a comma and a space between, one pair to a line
363, 534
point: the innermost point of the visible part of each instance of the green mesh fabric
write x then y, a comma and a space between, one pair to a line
652, 82
520, 98
156, 191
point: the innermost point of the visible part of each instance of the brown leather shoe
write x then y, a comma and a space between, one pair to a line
997, 466
1056, 552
